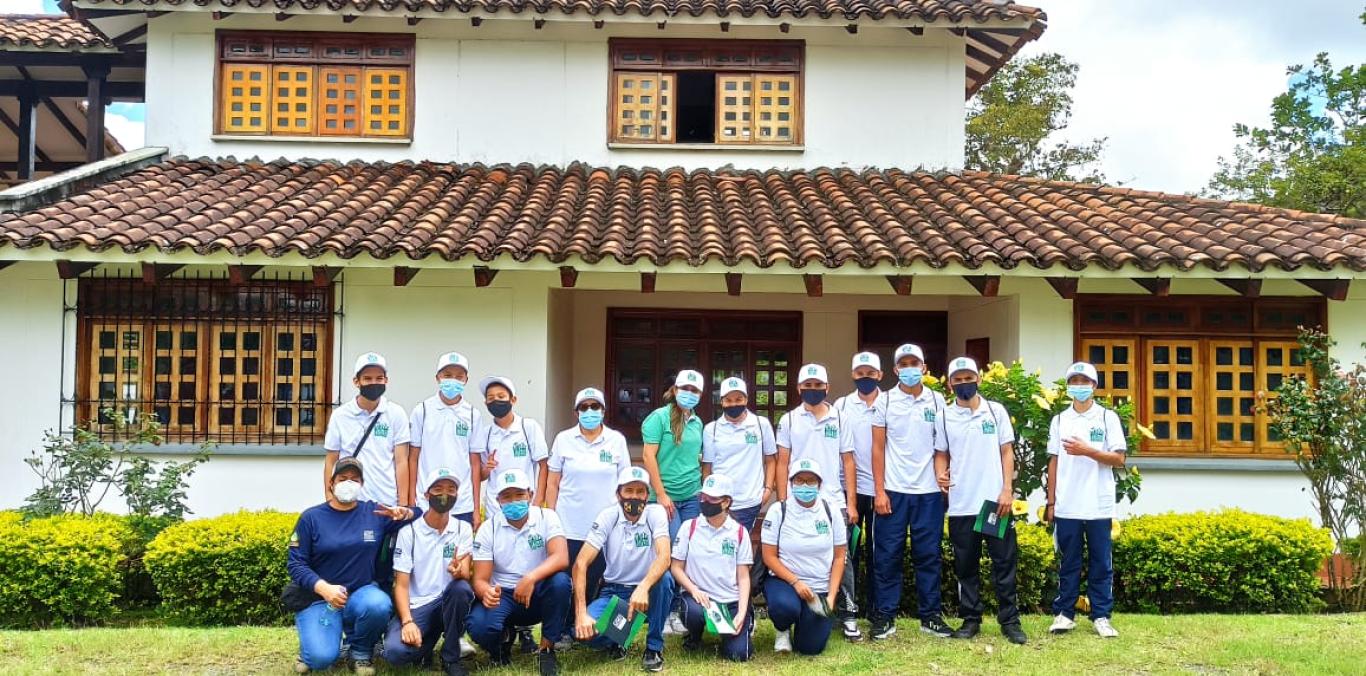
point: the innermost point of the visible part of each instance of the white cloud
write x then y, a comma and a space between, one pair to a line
130, 133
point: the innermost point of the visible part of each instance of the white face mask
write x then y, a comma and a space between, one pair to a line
346, 491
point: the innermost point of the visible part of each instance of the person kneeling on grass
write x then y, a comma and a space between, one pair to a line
432, 594
633, 537
331, 561
520, 559
803, 542
711, 559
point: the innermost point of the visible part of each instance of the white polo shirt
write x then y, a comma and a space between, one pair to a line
973, 440
520, 446
862, 418
628, 548
588, 476
710, 556
737, 450
912, 427
425, 553
516, 551
824, 440
344, 429
806, 538
1086, 488
444, 433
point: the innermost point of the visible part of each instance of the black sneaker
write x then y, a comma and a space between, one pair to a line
455, 669
504, 656
363, 667
969, 629
1014, 633
616, 653
550, 666
935, 627
692, 643
653, 661
882, 628
527, 641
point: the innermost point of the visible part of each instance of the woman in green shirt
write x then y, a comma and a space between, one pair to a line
673, 449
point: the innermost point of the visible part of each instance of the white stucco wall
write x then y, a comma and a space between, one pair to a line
31, 332
505, 93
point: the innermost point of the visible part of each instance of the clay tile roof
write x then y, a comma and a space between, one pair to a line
48, 31
820, 217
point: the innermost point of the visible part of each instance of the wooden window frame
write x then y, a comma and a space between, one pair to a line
318, 52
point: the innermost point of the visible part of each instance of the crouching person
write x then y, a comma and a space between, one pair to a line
331, 566
803, 542
520, 559
432, 594
633, 537
711, 560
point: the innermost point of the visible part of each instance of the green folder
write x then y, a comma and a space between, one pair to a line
616, 625
856, 535
719, 620
988, 523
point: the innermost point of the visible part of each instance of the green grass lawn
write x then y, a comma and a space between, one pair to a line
1317, 644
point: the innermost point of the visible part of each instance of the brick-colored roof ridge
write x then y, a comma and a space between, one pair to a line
48, 30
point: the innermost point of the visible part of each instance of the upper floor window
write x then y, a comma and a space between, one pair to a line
699, 91
315, 84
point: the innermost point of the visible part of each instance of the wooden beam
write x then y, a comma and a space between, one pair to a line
476, 21
1332, 289
538, 23
241, 274
5, 264
414, 20
281, 16
733, 281
901, 284
987, 285
852, 29
661, 25
156, 15
598, 24
74, 269
815, 285
324, 275
155, 272
1065, 286
916, 30
784, 27
725, 26
219, 16
647, 282
403, 275
568, 276
65, 121
483, 276
27, 133
69, 89
958, 31
1157, 286
130, 36
94, 112
1247, 288
348, 18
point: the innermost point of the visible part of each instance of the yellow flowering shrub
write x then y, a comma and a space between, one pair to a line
61, 570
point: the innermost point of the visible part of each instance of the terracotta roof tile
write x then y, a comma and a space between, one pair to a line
48, 30
820, 217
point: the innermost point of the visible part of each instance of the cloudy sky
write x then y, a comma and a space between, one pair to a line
1164, 80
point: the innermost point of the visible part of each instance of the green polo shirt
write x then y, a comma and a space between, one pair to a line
680, 463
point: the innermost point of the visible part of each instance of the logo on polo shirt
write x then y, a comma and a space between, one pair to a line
535, 541
929, 415
476, 546
988, 427
606, 456
294, 539
1097, 434
822, 528
368, 536
751, 438
642, 540
507, 478
728, 547
381, 431
462, 428
832, 432
519, 450
447, 551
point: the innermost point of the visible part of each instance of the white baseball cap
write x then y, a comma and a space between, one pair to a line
1083, 369
805, 465
909, 349
513, 478
717, 486
496, 380
437, 475
866, 359
813, 372
690, 377
370, 359
590, 393
963, 364
733, 385
633, 475
453, 359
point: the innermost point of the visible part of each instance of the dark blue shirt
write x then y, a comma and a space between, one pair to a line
339, 547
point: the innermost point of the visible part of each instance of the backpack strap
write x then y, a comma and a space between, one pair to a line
366, 437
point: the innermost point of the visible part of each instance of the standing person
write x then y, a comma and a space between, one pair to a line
374, 430
511, 442
442, 427
742, 446
816, 431
633, 538
672, 452
520, 560
906, 497
432, 594
974, 463
585, 461
803, 542
711, 559
1085, 443
865, 409
331, 567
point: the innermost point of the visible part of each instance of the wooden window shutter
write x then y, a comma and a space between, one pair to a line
385, 107
644, 107
1116, 365
775, 108
1174, 402
245, 92
292, 99
734, 109
1233, 395
1277, 361
339, 101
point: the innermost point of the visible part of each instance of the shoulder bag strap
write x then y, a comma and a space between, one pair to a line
366, 437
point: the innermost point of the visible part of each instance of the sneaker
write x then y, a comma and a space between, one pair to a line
527, 641
882, 628
1104, 629
782, 642
466, 648
935, 627
455, 669
504, 656
1014, 633
653, 661
675, 626
565, 644
616, 653
363, 667
300, 667
851, 631
550, 666
1062, 624
969, 629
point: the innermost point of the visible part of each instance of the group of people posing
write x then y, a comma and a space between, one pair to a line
448, 523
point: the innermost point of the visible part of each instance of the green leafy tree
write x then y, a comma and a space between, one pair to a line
1014, 123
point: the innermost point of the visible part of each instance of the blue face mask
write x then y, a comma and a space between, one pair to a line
687, 400
910, 376
806, 493
451, 388
590, 420
514, 511
813, 397
1080, 392
965, 391
865, 385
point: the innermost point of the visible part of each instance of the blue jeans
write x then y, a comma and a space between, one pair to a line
1068, 536
786, 609
445, 615
661, 599
746, 517
683, 510
738, 647
923, 515
550, 603
321, 627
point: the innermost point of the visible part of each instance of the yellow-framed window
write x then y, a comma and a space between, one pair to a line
643, 110
339, 101
292, 92
245, 90
386, 102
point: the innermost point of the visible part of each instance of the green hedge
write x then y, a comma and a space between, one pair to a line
224, 570
61, 570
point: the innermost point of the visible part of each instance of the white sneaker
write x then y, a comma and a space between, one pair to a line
851, 630
466, 648
1062, 625
782, 642
675, 626
1104, 629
